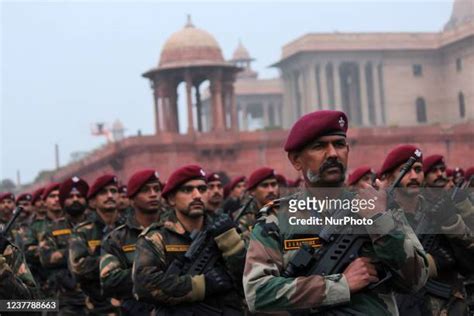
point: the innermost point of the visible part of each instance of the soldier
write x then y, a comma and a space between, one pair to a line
86, 239
233, 193
24, 221
7, 205
444, 263
215, 193
317, 148
159, 277
360, 178
53, 246
123, 205
435, 177
262, 187
118, 248
16, 280
30, 242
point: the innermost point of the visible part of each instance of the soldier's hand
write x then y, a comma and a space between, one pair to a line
217, 281
56, 257
4, 267
443, 212
370, 193
222, 224
360, 273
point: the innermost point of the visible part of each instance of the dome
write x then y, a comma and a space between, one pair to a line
241, 53
463, 12
190, 46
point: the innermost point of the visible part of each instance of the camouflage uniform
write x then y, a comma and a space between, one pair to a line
84, 257
246, 218
266, 289
16, 280
61, 281
118, 252
451, 253
157, 247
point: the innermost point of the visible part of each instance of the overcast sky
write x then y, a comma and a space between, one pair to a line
65, 65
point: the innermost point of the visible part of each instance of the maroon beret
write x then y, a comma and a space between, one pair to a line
24, 197
313, 125
231, 185
37, 195
122, 189
398, 156
213, 177
100, 183
469, 173
431, 161
449, 172
181, 176
69, 185
258, 176
49, 188
458, 171
358, 173
7, 195
139, 179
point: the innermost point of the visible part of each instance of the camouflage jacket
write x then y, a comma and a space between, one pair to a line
451, 252
84, 258
53, 252
246, 218
31, 237
16, 282
270, 249
117, 254
157, 247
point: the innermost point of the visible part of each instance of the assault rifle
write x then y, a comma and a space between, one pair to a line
7, 229
200, 257
342, 247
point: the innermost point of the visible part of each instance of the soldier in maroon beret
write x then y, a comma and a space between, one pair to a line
124, 205
215, 192
86, 239
118, 248
7, 205
434, 168
53, 245
234, 192
430, 211
317, 148
262, 187
360, 177
158, 247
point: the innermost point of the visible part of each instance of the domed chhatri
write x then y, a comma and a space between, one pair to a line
241, 53
190, 46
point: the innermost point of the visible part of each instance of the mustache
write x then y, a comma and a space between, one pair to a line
441, 178
271, 196
331, 163
414, 182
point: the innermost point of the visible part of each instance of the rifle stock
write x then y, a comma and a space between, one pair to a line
8, 227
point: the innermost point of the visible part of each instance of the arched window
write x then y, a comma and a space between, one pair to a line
462, 105
420, 110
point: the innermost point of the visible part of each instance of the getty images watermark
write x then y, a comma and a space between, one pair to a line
346, 206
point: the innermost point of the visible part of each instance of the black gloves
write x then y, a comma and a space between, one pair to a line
217, 281
443, 211
222, 224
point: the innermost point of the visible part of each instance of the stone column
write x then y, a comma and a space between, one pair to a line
266, 120
364, 103
173, 108
305, 91
216, 91
324, 86
233, 108
156, 108
189, 100
337, 86
287, 117
377, 98
245, 123
198, 108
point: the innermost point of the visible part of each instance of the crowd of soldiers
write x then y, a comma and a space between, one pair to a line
196, 245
